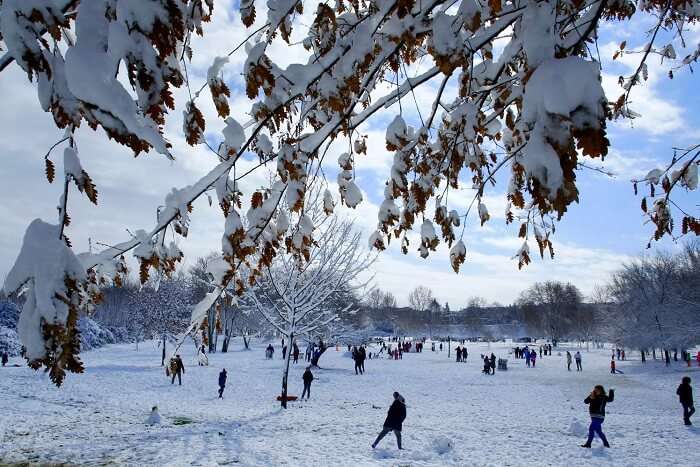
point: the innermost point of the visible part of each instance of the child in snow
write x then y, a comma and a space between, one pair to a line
596, 407
533, 357
612, 366
307, 377
685, 396
153, 417
394, 420
222, 383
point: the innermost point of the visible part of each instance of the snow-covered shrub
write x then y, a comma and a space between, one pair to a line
92, 335
9, 314
9, 341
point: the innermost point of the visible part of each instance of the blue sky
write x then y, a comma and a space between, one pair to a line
596, 236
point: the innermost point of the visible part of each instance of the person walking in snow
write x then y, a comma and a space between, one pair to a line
596, 408
612, 366
5, 358
363, 356
465, 354
269, 351
458, 352
295, 353
222, 383
356, 358
577, 357
526, 355
685, 396
492, 364
307, 377
177, 368
568, 360
394, 420
533, 357
487, 365
284, 352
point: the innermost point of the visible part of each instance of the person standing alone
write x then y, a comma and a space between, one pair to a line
577, 357
307, 377
177, 368
222, 383
568, 360
685, 396
596, 407
394, 420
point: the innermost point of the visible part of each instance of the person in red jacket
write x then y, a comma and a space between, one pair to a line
612, 366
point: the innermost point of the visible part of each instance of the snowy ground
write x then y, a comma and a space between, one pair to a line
456, 416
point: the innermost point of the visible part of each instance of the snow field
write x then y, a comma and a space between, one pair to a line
456, 415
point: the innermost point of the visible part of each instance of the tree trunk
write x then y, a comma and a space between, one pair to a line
644, 357
224, 346
246, 342
315, 359
285, 375
162, 358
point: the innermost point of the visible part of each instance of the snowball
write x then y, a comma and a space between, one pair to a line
153, 417
442, 445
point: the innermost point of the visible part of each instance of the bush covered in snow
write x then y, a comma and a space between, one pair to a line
9, 341
9, 314
92, 335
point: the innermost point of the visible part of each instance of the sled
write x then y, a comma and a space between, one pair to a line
289, 398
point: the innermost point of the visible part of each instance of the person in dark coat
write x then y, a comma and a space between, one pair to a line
284, 352
222, 383
596, 407
177, 368
295, 353
363, 356
394, 420
492, 364
5, 358
307, 377
685, 396
487, 365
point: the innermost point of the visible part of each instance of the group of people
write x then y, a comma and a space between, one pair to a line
462, 354
359, 355
577, 358
489, 364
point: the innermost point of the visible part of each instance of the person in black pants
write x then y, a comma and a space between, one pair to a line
596, 407
394, 420
222, 383
307, 377
685, 396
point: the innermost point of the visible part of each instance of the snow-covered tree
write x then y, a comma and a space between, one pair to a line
653, 302
515, 87
552, 308
161, 310
296, 292
420, 298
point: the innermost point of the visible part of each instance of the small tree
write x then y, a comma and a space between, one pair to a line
295, 294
